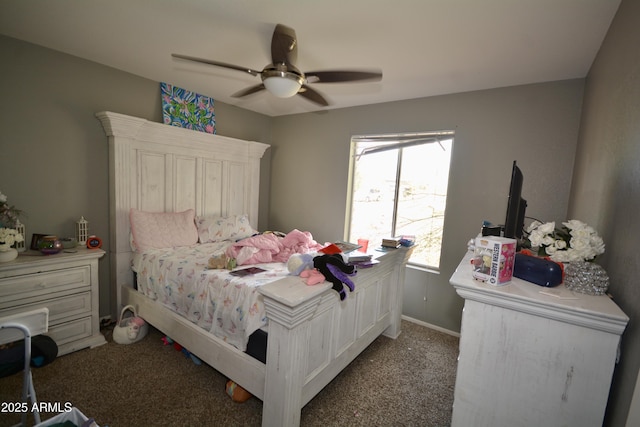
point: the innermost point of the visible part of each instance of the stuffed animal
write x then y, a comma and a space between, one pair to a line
297, 263
302, 265
336, 271
133, 327
312, 277
217, 261
221, 262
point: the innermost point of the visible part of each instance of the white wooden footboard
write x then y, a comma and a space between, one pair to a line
312, 340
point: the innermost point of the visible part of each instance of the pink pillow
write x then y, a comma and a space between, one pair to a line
156, 230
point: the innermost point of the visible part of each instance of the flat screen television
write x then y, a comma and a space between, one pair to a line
516, 206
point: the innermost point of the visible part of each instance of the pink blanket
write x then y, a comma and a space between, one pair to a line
265, 248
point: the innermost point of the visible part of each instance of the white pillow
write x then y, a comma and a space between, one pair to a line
156, 230
217, 229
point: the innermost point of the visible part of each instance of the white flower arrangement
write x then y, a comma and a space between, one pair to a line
8, 214
574, 241
8, 238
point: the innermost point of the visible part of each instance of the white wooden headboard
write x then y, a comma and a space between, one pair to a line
160, 168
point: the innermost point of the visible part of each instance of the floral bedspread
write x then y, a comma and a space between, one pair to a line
228, 306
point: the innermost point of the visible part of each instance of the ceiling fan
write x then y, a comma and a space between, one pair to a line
282, 78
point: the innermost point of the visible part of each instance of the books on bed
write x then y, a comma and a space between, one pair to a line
361, 259
357, 256
347, 247
350, 253
391, 242
247, 271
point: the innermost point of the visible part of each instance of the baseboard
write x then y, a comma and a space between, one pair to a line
430, 326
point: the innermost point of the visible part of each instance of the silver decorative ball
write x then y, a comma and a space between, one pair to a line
586, 278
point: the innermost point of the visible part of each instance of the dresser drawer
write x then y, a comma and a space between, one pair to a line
59, 308
27, 287
67, 332
67, 284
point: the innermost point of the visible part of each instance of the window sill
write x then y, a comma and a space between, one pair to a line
422, 267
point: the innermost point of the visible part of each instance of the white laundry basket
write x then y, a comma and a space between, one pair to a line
130, 329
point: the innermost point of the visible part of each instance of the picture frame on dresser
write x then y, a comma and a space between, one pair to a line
35, 241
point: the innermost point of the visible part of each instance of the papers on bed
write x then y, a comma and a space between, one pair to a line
227, 305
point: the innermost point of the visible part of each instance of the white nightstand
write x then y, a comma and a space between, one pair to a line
65, 283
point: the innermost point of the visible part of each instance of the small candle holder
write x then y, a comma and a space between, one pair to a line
21, 246
82, 231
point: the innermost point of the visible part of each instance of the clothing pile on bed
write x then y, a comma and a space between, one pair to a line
272, 247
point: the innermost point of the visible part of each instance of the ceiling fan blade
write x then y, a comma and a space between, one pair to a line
217, 64
342, 76
284, 45
248, 91
313, 96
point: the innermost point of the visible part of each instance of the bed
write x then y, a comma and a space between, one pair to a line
312, 334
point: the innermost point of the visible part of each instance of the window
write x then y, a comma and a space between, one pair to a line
398, 186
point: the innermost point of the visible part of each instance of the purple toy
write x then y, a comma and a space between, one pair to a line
336, 271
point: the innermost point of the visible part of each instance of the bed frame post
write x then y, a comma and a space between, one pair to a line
287, 356
396, 292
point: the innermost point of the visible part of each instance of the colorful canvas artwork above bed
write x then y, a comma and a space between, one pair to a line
186, 109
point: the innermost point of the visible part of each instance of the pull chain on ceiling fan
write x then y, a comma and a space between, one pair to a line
281, 78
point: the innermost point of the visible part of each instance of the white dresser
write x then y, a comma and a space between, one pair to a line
65, 283
530, 359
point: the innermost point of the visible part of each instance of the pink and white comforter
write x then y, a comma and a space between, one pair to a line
230, 307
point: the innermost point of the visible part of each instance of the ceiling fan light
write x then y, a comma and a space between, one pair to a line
283, 85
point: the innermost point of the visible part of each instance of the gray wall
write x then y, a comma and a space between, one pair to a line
537, 125
606, 182
53, 151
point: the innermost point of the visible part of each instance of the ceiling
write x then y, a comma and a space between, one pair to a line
423, 47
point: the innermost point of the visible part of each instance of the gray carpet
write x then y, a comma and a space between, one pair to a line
404, 382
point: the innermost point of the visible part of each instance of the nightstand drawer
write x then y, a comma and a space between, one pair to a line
59, 308
33, 285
